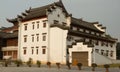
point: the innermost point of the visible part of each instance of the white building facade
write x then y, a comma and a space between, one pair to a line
49, 33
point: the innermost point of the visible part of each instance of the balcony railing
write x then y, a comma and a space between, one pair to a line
9, 48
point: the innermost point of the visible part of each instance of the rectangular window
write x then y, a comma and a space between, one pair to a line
97, 50
64, 24
32, 48
107, 52
5, 53
44, 36
37, 24
32, 38
33, 25
111, 54
97, 42
37, 37
102, 52
37, 51
56, 22
25, 27
9, 53
25, 38
24, 50
43, 49
44, 25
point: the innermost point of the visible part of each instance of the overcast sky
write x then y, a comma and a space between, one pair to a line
106, 12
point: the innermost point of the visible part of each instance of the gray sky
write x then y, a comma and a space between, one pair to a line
106, 12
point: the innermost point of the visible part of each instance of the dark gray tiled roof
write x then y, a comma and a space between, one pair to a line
40, 11
84, 24
8, 35
83, 34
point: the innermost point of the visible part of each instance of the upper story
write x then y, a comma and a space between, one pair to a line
55, 15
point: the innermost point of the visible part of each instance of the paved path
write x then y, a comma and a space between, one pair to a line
53, 69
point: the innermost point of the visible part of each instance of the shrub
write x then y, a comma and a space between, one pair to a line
38, 63
106, 66
18, 63
29, 62
49, 64
79, 65
6, 62
94, 65
68, 64
58, 65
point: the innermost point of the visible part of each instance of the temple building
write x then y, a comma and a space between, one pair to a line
50, 33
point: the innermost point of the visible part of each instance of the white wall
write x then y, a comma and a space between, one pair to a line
54, 16
109, 48
81, 48
29, 43
58, 45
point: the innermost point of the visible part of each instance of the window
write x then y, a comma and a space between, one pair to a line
58, 15
71, 28
25, 38
33, 26
90, 41
102, 52
32, 38
9, 53
25, 27
44, 23
32, 48
37, 50
107, 52
56, 22
44, 36
37, 24
107, 44
78, 29
37, 37
97, 50
97, 42
64, 24
43, 49
24, 50
111, 54
5, 53
102, 43
111, 45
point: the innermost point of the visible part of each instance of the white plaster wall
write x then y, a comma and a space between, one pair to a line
58, 45
81, 48
100, 59
109, 48
74, 38
62, 17
29, 43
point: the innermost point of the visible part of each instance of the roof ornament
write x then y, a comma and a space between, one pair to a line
27, 11
24, 14
8, 20
19, 16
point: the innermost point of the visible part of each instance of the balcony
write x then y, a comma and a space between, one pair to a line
10, 48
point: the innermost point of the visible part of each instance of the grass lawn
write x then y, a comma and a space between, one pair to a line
111, 65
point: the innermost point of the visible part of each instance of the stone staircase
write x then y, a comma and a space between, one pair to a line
102, 59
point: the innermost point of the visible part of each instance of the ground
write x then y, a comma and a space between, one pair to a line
54, 68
